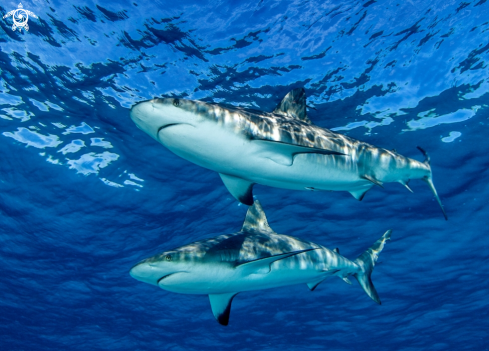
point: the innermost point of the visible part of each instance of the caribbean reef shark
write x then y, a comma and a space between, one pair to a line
253, 259
281, 149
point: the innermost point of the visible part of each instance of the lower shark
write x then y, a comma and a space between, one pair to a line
253, 259
282, 149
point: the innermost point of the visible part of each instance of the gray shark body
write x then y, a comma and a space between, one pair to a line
281, 149
253, 259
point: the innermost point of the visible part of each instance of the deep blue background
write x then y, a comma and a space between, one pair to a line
396, 74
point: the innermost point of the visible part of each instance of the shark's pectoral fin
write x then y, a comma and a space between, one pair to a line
241, 189
262, 265
359, 194
283, 153
221, 306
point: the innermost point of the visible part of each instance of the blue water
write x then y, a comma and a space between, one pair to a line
84, 194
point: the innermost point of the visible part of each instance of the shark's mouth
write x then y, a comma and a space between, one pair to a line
168, 275
167, 126
172, 125
163, 277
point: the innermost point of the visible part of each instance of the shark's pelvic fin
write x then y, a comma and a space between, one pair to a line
283, 153
405, 183
241, 189
346, 280
294, 105
373, 180
366, 262
262, 265
315, 284
256, 220
221, 306
359, 194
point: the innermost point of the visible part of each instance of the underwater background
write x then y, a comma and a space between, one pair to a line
85, 195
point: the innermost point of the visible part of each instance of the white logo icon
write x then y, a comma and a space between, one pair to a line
20, 17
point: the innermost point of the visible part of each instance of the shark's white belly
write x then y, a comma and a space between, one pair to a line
229, 153
222, 278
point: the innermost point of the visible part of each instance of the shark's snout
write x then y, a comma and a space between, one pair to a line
146, 272
141, 111
152, 115
145, 116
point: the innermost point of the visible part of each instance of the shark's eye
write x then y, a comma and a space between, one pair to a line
168, 257
176, 102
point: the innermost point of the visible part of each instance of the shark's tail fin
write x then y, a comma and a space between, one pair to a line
429, 181
366, 261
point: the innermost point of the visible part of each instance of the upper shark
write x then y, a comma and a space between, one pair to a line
254, 258
281, 149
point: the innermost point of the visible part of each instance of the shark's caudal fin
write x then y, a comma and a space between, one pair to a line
429, 181
366, 261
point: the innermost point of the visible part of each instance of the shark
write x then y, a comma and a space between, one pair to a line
254, 258
282, 148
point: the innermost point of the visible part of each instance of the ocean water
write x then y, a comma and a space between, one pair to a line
84, 194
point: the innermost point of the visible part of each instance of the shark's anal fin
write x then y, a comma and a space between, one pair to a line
359, 194
221, 306
242, 190
262, 265
284, 153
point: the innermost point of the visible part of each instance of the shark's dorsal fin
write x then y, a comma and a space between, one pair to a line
294, 105
221, 306
255, 220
